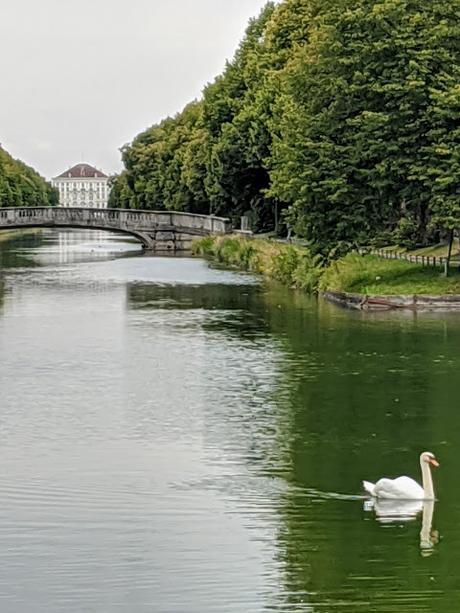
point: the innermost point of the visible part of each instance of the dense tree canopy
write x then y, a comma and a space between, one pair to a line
20, 185
343, 114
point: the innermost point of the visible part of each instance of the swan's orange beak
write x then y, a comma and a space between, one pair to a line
434, 462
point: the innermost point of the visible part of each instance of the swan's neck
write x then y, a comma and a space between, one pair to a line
427, 480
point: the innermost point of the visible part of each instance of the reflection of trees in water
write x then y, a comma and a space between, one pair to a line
360, 397
11, 248
360, 389
16, 260
237, 311
10, 258
354, 395
209, 296
334, 558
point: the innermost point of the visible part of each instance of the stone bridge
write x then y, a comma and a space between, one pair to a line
157, 230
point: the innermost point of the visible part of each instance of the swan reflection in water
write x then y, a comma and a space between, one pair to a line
396, 511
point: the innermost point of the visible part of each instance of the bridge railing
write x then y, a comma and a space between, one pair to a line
130, 218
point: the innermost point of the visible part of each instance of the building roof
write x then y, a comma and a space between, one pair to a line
82, 171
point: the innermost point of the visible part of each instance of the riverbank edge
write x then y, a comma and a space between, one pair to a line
294, 266
376, 302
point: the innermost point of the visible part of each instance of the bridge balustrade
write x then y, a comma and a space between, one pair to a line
157, 230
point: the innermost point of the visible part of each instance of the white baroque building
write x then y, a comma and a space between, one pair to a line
82, 185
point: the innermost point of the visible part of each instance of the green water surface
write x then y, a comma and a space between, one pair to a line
177, 438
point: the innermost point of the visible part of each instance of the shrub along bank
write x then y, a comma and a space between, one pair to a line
297, 267
290, 264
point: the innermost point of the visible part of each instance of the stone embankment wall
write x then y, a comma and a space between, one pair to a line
381, 303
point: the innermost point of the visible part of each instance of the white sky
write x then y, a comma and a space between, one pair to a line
80, 78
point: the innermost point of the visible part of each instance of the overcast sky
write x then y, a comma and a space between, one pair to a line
79, 78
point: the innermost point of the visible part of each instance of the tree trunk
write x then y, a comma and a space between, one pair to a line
449, 253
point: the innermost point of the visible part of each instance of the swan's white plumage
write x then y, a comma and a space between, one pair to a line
405, 488
400, 488
369, 487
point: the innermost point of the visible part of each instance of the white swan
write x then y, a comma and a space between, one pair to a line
405, 488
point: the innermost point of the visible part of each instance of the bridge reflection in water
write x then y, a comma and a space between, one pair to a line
157, 230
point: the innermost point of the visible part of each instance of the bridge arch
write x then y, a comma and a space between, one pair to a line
156, 230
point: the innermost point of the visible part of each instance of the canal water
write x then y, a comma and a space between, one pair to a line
175, 438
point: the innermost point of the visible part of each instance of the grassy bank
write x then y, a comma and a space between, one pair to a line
296, 267
440, 250
373, 275
292, 265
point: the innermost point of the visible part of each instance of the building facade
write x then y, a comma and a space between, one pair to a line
83, 185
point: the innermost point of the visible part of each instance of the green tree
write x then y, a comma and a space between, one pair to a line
355, 118
442, 168
20, 185
342, 114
